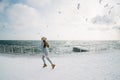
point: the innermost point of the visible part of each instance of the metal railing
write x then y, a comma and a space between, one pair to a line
18, 49
60, 49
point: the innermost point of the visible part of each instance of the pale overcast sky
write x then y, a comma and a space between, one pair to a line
60, 19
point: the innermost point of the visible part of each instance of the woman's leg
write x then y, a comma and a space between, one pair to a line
53, 65
49, 60
46, 55
43, 58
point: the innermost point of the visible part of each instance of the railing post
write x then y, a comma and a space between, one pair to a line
21, 49
33, 50
12, 48
4, 49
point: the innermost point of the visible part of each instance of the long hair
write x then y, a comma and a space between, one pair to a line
45, 44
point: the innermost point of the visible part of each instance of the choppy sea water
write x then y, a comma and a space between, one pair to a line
56, 47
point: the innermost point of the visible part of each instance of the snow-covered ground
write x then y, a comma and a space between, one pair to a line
88, 66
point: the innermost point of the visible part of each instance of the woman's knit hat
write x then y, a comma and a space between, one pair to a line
44, 38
